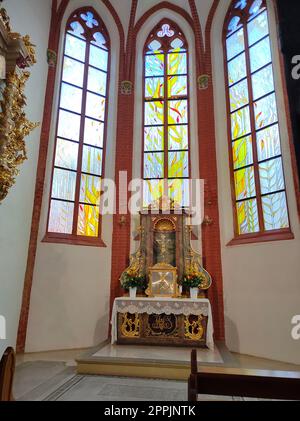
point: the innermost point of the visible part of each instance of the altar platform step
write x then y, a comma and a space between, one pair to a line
149, 361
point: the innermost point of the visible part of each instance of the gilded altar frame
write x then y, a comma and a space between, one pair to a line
163, 281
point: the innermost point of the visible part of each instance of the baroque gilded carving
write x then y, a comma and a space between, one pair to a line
14, 125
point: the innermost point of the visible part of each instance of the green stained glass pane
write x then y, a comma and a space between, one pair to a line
154, 65
265, 111
258, 28
63, 186
92, 160
88, 221
66, 154
93, 132
178, 164
95, 106
73, 72
239, 95
178, 137
263, 82
275, 211
98, 58
61, 217
179, 192
244, 183
177, 86
235, 44
154, 139
154, 165
97, 81
90, 189
178, 112
268, 143
154, 87
177, 64
71, 98
152, 191
240, 123
75, 48
271, 176
242, 152
68, 125
247, 216
154, 113
237, 69
260, 54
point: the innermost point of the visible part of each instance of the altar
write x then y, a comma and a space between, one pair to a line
162, 321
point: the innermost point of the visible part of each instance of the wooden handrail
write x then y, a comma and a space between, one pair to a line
7, 371
282, 385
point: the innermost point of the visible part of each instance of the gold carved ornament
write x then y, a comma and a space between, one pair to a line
130, 328
194, 330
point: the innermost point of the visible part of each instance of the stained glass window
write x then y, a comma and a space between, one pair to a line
166, 116
259, 185
78, 162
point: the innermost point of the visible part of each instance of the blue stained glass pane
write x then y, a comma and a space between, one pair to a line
237, 69
263, 82
235, 44
275, 211
271, 176
89, 19
260, 54
154, 65
71, 98
98, 58
268, 143
77, 29
265, 111
75, 48
239, 95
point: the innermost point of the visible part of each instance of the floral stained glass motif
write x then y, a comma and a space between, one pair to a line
76, 191
255, 136
166, 140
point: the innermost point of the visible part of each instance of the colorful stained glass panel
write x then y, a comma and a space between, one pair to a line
152, 190
260, 54
275, 211
97, 81
88, 221
61, 217
71, 98
95, 106
235, 44
66, 155
68, 125
93, 132
247, 215
90, 189
92, 160
73, 72
258, 28
178, 137
177, 86
263, 82
178, 112
154, 113
268, 143
178, 164
240, 123
237, 69
75, 48
154, 87
239, 95
244, 183
271, 176
64, 183
177, 64
98, 58
179, 192
154, 165
265, 111
242, 152
155, 65
154, 139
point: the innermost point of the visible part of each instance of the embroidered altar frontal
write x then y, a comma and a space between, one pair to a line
162, 321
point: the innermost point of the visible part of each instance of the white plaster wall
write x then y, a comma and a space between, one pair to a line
71, 286
261, 281
144, 5
16, 210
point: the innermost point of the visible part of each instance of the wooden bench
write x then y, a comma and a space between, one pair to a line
281, 385
7, 371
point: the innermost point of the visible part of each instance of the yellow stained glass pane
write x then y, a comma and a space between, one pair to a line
88, 221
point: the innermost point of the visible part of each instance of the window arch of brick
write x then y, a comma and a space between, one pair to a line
258, 182
166, 165
79, 157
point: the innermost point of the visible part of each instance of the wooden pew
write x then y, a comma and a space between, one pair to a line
281, 385
7, 371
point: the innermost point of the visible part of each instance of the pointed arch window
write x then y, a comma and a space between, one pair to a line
166, 158
260, 203
74, 212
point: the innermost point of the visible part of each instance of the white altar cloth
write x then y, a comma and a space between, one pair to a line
187, 307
